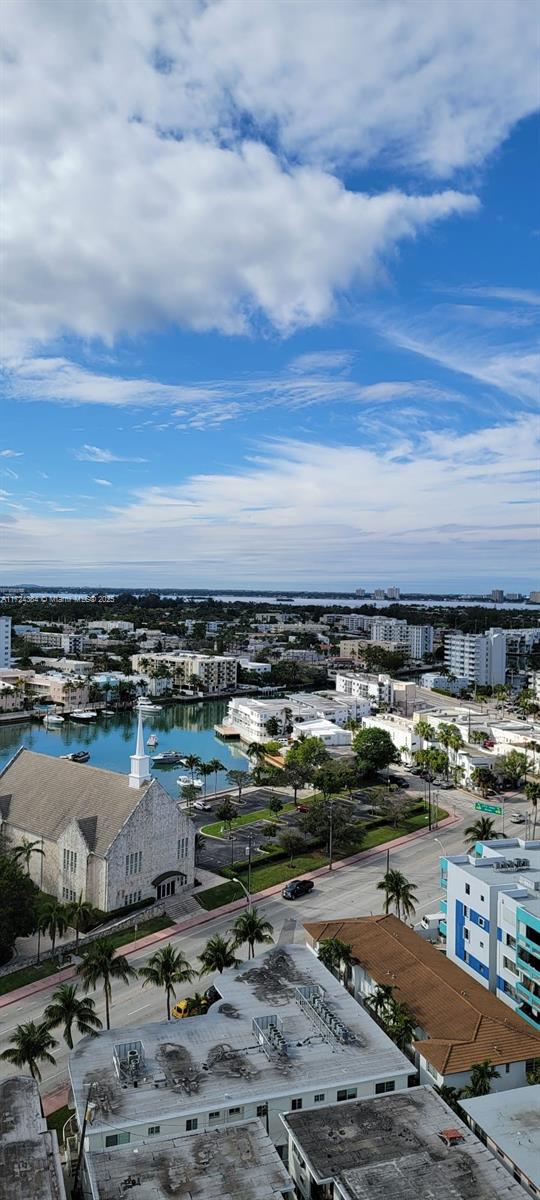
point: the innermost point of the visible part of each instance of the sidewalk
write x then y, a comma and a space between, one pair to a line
234, 906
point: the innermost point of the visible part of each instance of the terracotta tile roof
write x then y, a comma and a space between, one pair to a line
463, 1023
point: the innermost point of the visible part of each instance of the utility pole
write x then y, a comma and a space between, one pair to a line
330, 833
250, 836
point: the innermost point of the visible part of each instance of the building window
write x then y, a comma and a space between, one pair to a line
347, 1093
465, 911
389, 1085
117, 1139
318, 1098
296, 1104
482, 945
238, 1111
191, 1124
481, 922
183, 847
216, 1115
153, 1130
466, 935
507, 1068
482, 898
262, 1110
134, 863
467, 889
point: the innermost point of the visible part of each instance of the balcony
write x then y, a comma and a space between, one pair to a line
443, 906
529, 963
526, 943
530, 992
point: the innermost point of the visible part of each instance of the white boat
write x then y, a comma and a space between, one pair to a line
147, 706
83, 714
53, 719
152, 740
187, 781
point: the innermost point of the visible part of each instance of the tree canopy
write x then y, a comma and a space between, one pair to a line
19, 904
374, 749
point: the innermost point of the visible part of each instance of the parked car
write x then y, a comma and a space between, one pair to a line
517, 819
202, 805
302, 808
297, 887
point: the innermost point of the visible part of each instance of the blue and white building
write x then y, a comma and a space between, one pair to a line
492, 921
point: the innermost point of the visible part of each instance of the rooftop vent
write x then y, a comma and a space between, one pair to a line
312, 1001
269, 1033
510, 864
129, 1064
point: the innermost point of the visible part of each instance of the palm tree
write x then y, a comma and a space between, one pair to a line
381, 1001
193, 763
333, 952
216, 766
425, 730
401, 1026
100, 965
399, 892
450, 1095
532, 792
217, 955
79, 914
482, 1076
250, 927
256, 750
53, 919
481, 830
31, 1044
165, 968
24, 852
483, 778
205, 769
67, 1009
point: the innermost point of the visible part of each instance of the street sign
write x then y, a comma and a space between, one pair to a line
491, 808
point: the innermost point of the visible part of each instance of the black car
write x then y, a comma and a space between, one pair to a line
296, 888
212, 995
397, 779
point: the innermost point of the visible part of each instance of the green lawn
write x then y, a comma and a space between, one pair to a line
269, 873
18, 979
261, 814
57, 1119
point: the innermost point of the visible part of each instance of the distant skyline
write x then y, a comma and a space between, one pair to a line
271, 294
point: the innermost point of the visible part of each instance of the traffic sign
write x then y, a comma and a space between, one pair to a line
491, 808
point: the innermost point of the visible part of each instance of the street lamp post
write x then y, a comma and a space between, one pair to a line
330, 834
235, 879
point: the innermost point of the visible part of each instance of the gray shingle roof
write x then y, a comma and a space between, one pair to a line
48, 793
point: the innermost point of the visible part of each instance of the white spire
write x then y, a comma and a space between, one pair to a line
140, 762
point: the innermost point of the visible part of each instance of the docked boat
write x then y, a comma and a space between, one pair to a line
147, 706
78, 756
83, 714
168, 758
152, 740
53, 719
187, 781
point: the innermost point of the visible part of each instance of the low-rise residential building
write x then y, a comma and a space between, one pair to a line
257, 668
377, 689
12, 696
458, 1023
516, 735
5, 641
57, 688
249, 717
400, 729
109, 626
216, 673
326, 731
113, 838
493, 920
477, 657
352, 648
234, 1163
508, 1123
284, 1036
392, 1148
30, 1166
446, 683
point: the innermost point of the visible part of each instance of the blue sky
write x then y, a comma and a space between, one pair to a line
271, 294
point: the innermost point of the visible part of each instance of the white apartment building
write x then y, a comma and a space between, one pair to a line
11, 697
400, 729
248, 717
388, 631
492, 921
329, 734
478, 657
434, 681
285, 1036
376, 689
113, 838
393, 593
5, 641
354, 622
108, 626
68, 690
420, 640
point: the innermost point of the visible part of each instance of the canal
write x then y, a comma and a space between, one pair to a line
188, 728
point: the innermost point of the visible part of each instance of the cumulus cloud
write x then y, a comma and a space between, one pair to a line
299, 511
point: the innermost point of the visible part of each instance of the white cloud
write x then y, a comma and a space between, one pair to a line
298, 512
11, 453
103, 482
506, 294
100, 455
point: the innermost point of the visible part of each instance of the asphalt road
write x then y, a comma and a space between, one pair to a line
351, 891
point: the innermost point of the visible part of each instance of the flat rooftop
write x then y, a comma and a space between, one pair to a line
29, 1160
512, 1121
196, 1065
389, 1148
489, 868
238, 1163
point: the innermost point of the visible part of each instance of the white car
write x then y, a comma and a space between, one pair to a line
202, 805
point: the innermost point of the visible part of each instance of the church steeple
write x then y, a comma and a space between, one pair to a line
140, 762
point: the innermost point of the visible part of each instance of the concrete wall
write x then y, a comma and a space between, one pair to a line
153, 828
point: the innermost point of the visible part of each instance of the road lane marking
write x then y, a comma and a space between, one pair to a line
135, 1010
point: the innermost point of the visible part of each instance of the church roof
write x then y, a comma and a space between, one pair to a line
46, 794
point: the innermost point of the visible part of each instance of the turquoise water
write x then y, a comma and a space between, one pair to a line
188, 728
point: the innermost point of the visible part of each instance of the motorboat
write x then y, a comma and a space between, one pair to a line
187, 781
152, 740
168, 758
53, 719
78, 756
83, 714
147, 706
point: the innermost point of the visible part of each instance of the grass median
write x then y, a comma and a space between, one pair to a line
220, 829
